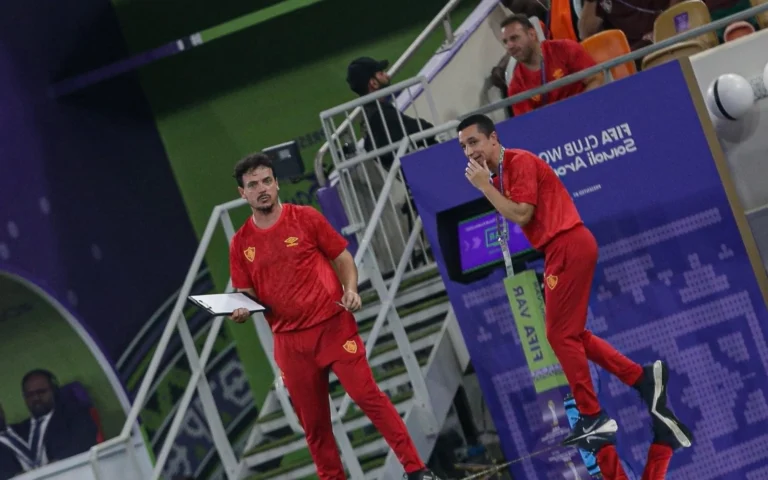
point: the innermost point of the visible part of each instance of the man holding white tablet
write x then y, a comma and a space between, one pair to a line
292, 260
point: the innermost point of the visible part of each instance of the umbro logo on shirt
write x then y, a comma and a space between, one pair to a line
291, 242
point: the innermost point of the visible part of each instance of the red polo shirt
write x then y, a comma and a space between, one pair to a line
561, 58
289, 267
528, 179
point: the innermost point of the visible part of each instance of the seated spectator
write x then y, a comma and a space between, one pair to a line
10, 451
558, 23
66, 429
364, 76
542, 62
633, 17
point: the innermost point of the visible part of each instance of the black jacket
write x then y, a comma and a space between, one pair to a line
70, 431
391, 121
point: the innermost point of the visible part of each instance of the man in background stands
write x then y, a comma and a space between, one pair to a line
541, 62
66, 428
364, 76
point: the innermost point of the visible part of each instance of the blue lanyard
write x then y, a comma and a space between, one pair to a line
502, 227
543, 80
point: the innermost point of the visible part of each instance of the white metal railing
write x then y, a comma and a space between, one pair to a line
443, 17
198, 381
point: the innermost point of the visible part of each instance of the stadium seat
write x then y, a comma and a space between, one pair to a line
607, 45
74, 394
682, 17
762, 19
671, 53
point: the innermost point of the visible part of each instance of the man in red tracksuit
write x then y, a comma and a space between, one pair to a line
292, 260
526, 191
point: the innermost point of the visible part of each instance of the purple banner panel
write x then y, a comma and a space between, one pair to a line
674, 280
89, 208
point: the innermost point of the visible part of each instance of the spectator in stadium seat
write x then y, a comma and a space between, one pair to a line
542, 62
364, 76
558, 23
66, 429
9, 463
633, 17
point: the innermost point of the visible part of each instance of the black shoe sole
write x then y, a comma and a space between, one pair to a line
665, 415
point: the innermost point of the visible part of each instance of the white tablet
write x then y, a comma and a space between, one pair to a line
226, 303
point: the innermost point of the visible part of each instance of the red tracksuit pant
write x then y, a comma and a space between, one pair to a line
305, 359
655, 466
569, 265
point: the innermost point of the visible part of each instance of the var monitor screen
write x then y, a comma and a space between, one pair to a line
468, 237
479, 241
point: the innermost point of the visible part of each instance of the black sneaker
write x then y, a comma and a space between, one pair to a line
667, 428
421, 475
592, 432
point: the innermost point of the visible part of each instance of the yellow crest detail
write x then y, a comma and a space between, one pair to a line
250, 253
350, 346
552, 282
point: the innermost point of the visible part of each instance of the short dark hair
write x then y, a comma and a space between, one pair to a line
484, 124
250, 162
517, 18
40, 372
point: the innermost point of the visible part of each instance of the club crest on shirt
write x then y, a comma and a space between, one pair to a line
558, 73
350, 346
291, 242
250, 253
552, 282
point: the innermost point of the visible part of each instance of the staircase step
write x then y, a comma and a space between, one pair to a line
434, 308
305, 469
365, 444
404, 297
369, 295
354, 416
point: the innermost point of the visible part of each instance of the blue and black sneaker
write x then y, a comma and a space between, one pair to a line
667, 428
592, 432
